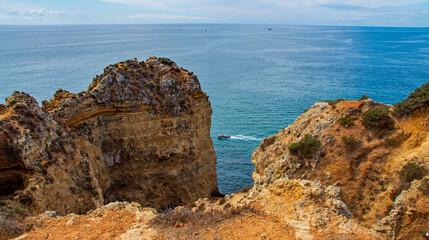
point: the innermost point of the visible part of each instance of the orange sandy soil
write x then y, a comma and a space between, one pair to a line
109, 227
248, 226
257, 227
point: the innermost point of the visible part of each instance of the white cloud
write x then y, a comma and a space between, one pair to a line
383, 3
161, 5
168, 4
269, 10
154, 17
320, 12
33, 13
17, 11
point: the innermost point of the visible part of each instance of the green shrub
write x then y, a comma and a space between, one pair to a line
306, 147
378, 120
333, 102
412, 171
11, 209
350, 142
165, 61
306, 110
364, 97
12, 217
417, 99
346, 122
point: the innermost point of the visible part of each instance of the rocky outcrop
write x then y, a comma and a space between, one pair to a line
364, 162
345, 183
314, 211
343, 170
116, 220
140, 132
409, 218
287, 209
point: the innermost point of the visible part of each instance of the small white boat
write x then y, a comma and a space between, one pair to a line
223, 136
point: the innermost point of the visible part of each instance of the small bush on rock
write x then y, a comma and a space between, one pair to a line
364, 97
306, 147
333, 102
165, 61
12, 219
346, 122
412, 171
350, 142
417, 99
377, 120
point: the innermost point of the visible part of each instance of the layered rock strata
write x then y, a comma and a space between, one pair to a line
140, 132
343, 170
349, 186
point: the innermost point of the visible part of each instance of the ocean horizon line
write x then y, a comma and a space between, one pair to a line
234, 24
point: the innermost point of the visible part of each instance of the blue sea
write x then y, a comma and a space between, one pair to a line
258, 80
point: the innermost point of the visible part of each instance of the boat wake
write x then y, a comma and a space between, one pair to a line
245, 138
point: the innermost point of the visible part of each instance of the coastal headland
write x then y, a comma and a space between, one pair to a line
132, 158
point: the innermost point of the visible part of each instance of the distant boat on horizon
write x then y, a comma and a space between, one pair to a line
269, 29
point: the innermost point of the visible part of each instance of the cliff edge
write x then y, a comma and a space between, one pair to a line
376, 154
343, 170
140, 132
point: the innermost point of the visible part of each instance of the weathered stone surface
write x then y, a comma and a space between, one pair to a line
409, 218
141, 132
365, 175
287, 209
337, 192
116, 220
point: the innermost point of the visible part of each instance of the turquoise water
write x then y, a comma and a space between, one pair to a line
258, 81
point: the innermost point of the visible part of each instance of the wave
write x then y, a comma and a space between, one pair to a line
246, 138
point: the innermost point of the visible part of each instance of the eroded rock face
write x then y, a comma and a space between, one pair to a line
363, 163
344, 189
141, 132
409, 218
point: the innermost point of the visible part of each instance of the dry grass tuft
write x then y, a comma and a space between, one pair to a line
196, 216
12, 217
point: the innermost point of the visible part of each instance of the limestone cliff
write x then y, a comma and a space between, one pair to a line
352, 188
140, 132
365, 159
343, 170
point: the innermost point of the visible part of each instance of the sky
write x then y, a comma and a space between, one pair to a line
395, 13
